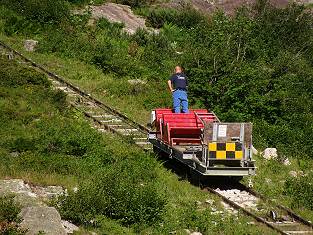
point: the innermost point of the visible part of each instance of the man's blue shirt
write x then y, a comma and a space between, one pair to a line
179, 81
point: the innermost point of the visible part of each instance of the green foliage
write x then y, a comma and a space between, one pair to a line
124, 192
9, 216
300, 190
255, 66
9, 209
42, 11
122, 185
186, 17
136, 3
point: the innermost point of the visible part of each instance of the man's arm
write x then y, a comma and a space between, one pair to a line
169, 82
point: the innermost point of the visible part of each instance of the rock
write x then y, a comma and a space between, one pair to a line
195, 233
14, 154
118, 13
30, 45
41, 219
286, 162
254, 150
270, 153
48, 192
210, 202
293, 173
136, 82
198, 203
69, 227
21, 190
187, 231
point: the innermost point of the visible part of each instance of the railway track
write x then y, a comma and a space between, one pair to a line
104, 117
238, 197
108, 119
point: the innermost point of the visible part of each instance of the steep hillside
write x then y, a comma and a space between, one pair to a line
110, 186
255, 65
228, 6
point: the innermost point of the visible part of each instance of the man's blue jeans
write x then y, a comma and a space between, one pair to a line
180, 101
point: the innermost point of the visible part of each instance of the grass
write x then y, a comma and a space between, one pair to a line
95, 82
271, 179
134, 100
9, 216
48, 143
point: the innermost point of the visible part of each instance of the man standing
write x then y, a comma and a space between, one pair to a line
178, 86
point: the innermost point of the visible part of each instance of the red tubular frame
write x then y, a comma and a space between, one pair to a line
176, 128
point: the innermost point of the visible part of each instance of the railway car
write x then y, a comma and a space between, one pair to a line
201, 141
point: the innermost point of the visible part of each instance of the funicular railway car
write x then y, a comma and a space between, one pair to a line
199, 140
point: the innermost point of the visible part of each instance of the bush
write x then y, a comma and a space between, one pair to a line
42, 11
186, 17
9, 216
9, 209
135, 3
125, 192
300, 190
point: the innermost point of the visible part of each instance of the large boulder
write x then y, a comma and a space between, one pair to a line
270, 153
43, 219
23, 192
30, 45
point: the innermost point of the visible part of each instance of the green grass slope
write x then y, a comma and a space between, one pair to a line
121, 189
255, 66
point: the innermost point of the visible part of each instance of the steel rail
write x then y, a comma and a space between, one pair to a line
288, 211
145, 130
75, 88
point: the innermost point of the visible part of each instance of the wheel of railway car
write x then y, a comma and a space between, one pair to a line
156, 150
161, 154
236, 178
194, 177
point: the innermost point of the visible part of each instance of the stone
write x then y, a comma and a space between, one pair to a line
41, 219
69, 227
14, 154
270, 153
118, 13
293, 173
209, 201
22, 191
187, 231
254, 150
48, 192
30, 45
136, 82
286, 162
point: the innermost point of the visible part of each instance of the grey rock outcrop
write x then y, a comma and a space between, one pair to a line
30, 45
23, 192
36, 215
69, 227
42, 219
270, 153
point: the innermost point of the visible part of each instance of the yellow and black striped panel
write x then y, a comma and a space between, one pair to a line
225, 150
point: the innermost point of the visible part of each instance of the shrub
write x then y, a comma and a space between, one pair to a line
136, 3
9, 216
42, 11
9, 209
300, 190
124, 192
186, 17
